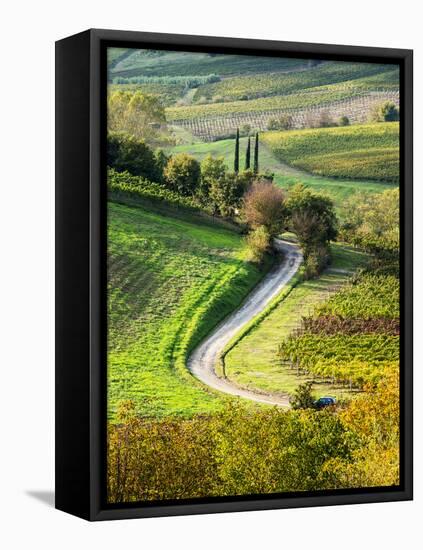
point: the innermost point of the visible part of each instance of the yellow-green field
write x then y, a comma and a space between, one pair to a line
363, 152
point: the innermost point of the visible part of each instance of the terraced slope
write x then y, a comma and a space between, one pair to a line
263, 85
170, 282
214, 121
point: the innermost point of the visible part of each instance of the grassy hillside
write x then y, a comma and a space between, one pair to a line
369, 151
168, 63
243, 87
253, 362
226, 148
303, 99
170, 282
285, 175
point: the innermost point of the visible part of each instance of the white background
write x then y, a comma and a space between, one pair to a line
28, 32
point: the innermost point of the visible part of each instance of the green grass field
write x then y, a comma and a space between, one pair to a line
368, 151
170, 282
337, 190
253, 363
226, 148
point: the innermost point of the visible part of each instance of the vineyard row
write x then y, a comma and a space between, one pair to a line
357, 109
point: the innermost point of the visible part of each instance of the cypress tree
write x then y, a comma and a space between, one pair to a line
256, 154
248, 154
236, 161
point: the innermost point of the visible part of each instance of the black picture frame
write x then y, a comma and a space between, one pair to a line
80, 272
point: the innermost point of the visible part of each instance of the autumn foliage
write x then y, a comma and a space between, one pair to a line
243, 451
263, 206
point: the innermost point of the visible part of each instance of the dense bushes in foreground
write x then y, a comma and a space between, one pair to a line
243, 451
233, 453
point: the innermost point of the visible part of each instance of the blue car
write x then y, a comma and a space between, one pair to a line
323, 402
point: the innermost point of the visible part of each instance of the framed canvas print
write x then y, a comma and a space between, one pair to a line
234, 274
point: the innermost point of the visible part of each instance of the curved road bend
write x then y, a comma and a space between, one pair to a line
202, 361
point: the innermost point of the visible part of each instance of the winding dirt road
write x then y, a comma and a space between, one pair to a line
202, 361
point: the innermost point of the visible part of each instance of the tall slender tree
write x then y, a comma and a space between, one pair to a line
236, 161
248, 154
256, 154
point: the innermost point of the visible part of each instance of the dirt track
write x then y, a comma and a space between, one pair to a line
204, 358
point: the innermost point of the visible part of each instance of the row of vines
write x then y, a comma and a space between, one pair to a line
353, 338
216, 121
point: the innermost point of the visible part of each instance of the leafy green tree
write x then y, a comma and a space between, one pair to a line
212, 170
372, 220
236, 159
161, 161
226, 194
248, 154
312, 217
246, 179
138, 114
127, 153
263, 205
256, 154
303, 397
182, 174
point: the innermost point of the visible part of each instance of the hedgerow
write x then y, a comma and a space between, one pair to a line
135, 186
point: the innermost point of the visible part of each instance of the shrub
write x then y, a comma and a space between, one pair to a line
284, 122
303, 397
226, 193
127, 153
344, 121
385, 112
258, 242
212, 170
264, 206
315, 261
